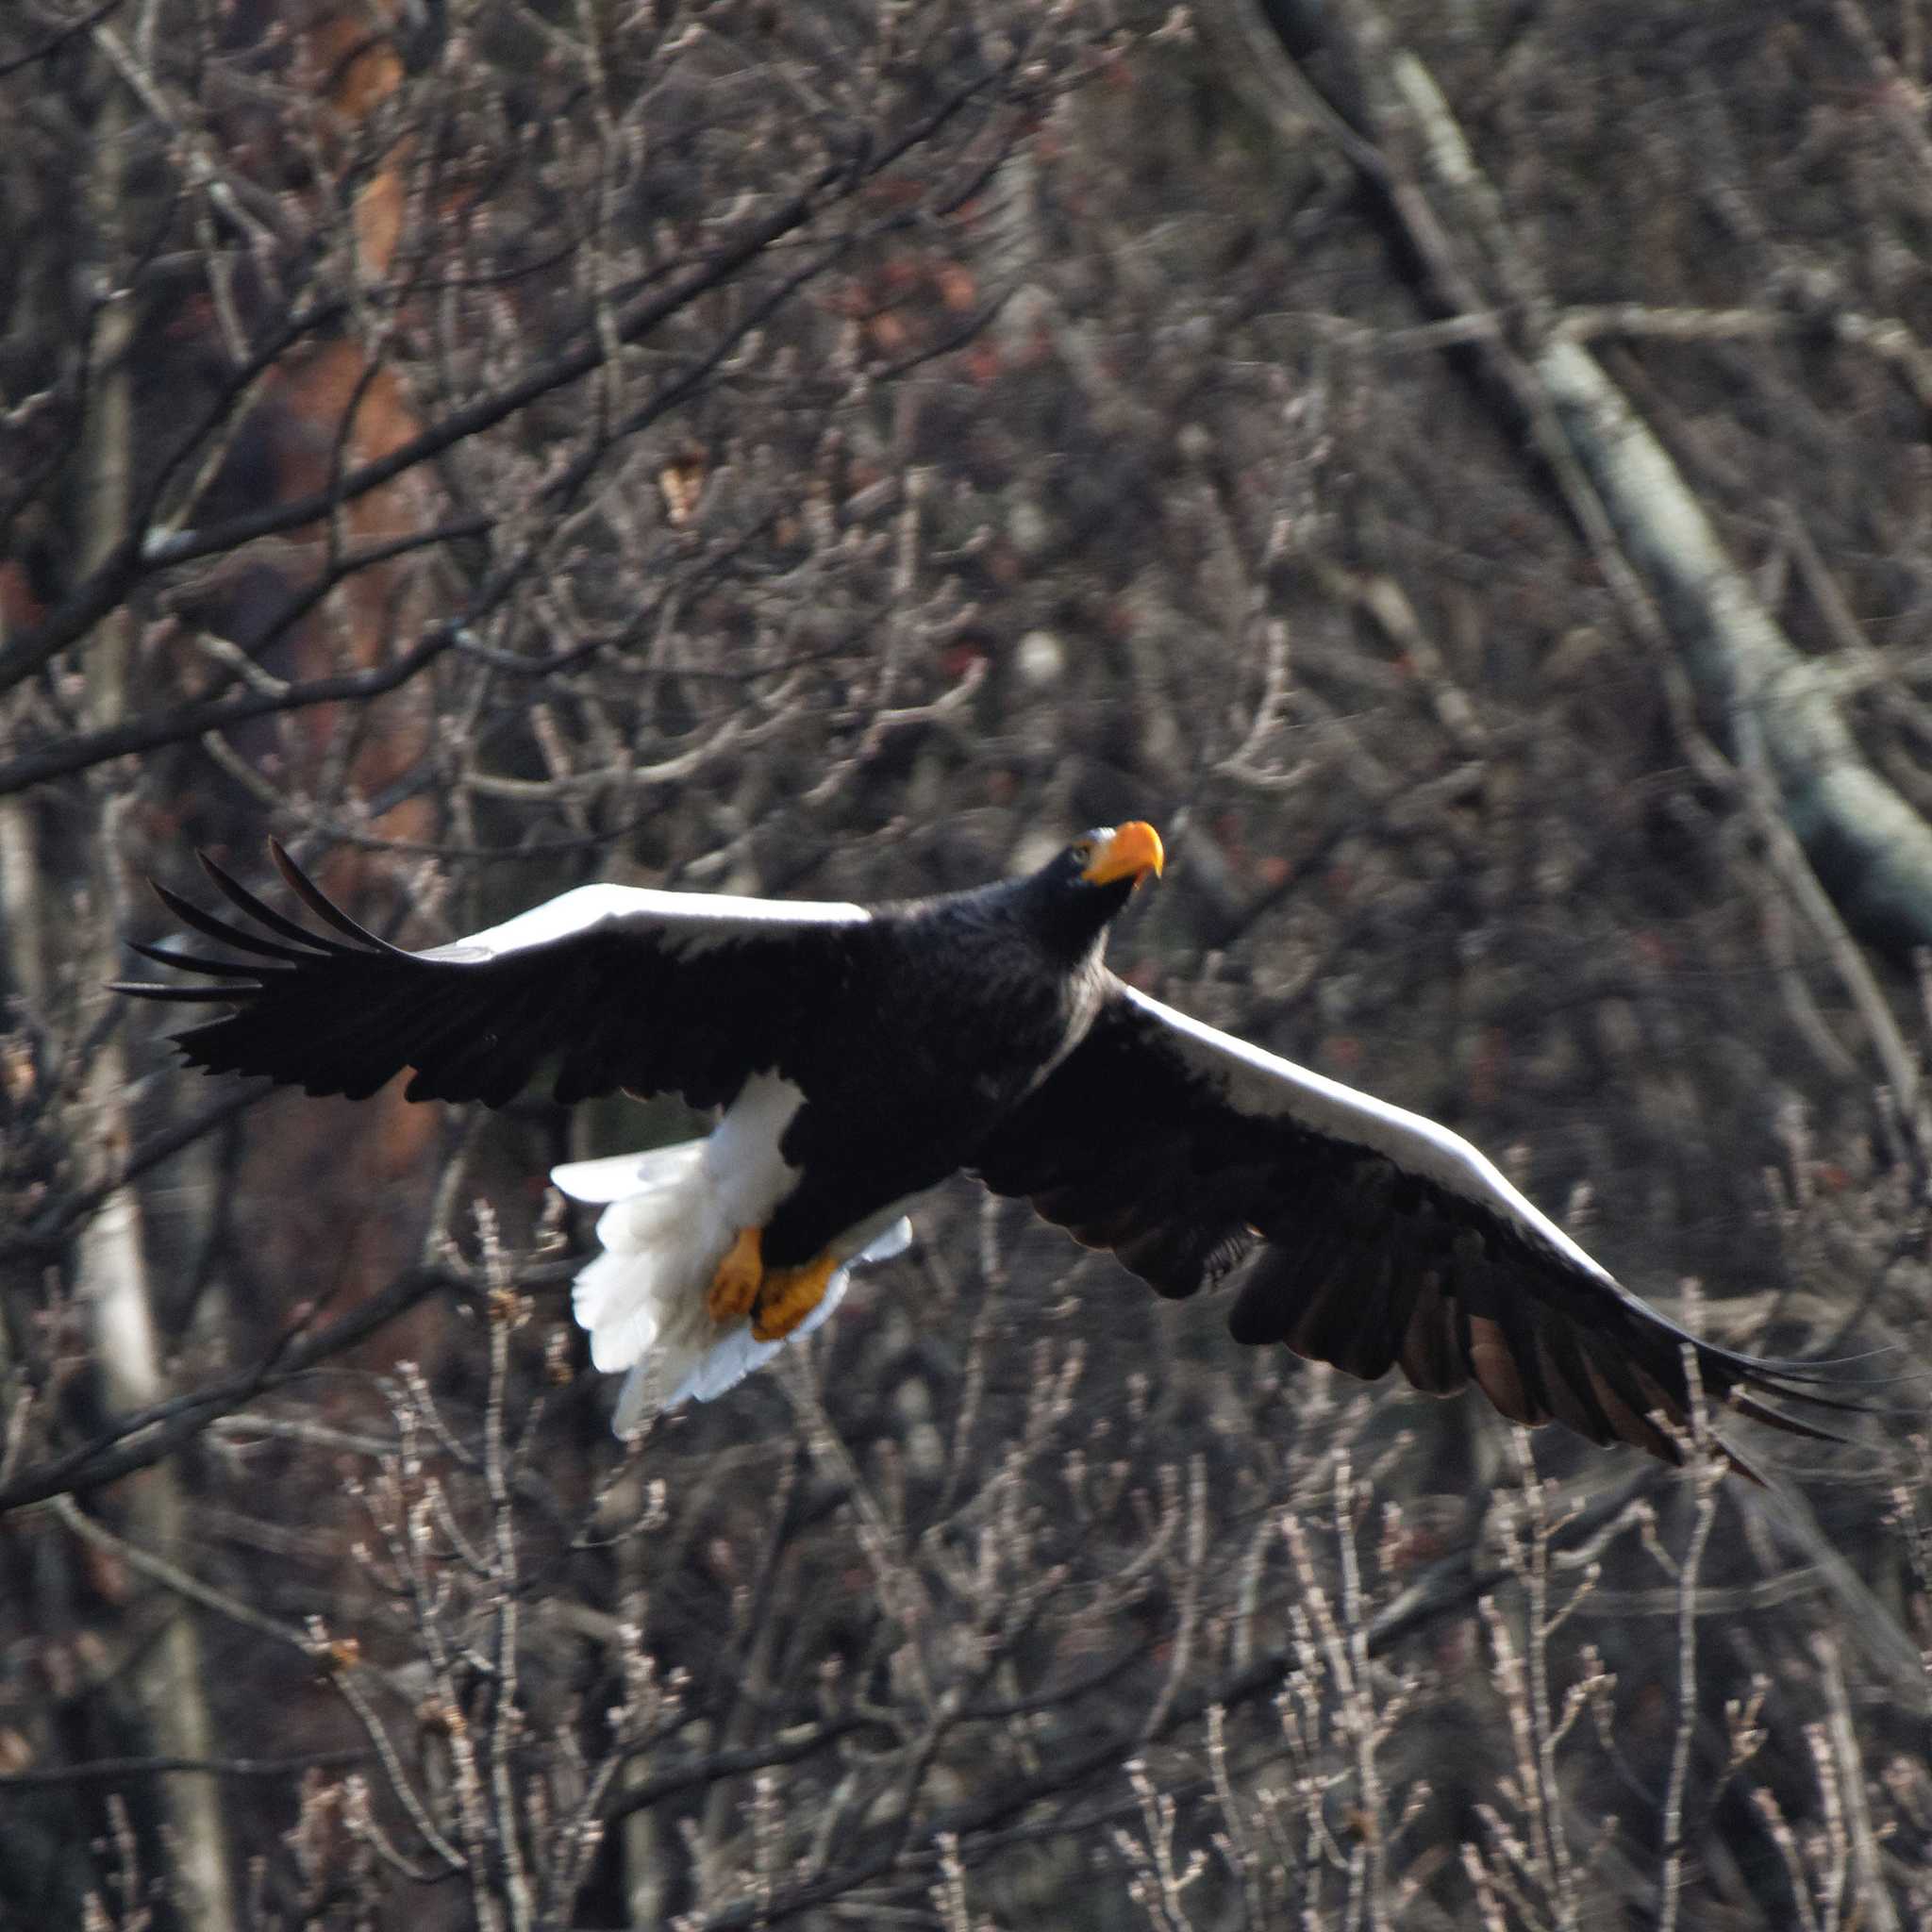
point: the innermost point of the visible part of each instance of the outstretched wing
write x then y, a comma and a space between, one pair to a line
1378, 1238
616, 986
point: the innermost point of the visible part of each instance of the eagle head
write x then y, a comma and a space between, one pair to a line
1074, 895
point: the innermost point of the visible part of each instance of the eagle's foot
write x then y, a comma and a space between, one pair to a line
738, 1277
789, 1295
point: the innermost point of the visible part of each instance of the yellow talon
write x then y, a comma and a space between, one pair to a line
789, 1295
739, 1277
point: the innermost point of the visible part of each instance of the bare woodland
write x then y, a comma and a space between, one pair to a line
1462, 471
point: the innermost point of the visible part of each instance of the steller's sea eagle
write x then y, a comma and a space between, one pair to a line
862, 1054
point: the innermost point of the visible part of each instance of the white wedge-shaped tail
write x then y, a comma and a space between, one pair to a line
669, 1217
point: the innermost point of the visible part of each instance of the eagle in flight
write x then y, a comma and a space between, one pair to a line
862, 1054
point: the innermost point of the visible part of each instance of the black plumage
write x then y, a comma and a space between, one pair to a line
980, 1030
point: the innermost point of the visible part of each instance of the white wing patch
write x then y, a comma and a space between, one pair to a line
687, 922
1264, 1085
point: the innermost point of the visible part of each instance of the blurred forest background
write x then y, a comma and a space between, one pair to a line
1461, 470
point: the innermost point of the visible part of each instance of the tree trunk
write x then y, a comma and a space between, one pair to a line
1870, 848
166, 1690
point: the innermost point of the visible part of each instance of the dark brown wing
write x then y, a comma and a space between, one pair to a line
614, 985
1374, 1238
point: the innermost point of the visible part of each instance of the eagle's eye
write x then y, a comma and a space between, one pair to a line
1081, 851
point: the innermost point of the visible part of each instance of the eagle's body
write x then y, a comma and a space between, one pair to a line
861, 1054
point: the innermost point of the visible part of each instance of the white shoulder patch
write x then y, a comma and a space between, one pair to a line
1270, 1087
686, 922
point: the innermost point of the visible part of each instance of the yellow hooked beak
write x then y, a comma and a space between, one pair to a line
1133, 851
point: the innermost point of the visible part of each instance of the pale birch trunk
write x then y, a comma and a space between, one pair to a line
164, 1682
1870, 847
